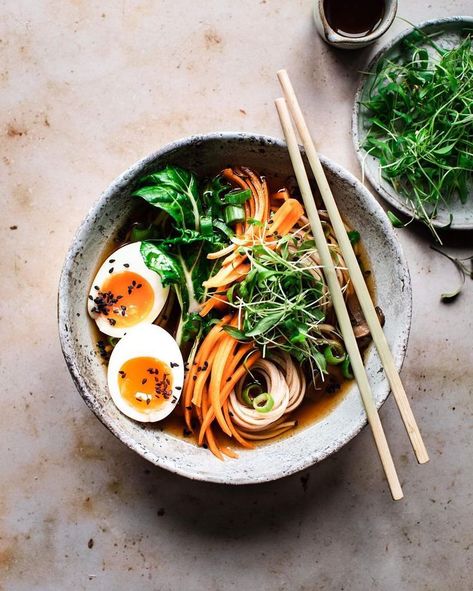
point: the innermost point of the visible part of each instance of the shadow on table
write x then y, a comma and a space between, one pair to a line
215, 510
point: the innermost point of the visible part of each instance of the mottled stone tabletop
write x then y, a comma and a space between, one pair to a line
87, 88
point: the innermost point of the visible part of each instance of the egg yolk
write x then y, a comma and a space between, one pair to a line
145, 383
125, 299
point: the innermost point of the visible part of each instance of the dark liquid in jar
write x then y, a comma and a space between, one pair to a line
354, 19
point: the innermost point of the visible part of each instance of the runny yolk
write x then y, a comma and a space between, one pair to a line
126, 298
145, 383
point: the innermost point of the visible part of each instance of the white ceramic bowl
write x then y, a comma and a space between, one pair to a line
207, 155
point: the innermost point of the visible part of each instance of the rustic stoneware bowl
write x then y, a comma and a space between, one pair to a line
207, 155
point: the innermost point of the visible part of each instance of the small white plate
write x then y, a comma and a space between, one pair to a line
448, 33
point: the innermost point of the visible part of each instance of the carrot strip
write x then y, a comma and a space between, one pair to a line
216, 379
203, 376
213, 444
228, 451
227, 275
222, 252
235, 257
282, 194
258, 192
215, 301
233, 429
286, 216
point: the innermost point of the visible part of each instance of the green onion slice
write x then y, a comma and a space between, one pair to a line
237, 196
251, 392
263, 403
234, 214
334, 359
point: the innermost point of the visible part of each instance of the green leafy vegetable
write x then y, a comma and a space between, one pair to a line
420, 108
201, 223
175, 191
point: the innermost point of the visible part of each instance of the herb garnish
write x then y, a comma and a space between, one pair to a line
420, 107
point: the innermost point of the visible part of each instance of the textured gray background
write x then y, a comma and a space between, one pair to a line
87, 88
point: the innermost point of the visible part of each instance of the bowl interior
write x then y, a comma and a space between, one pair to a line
208, 155
447, 33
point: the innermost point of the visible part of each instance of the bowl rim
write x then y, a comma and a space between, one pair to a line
391, 196
70, 355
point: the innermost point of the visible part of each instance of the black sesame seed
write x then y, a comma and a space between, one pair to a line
91, 298
126, 265
139, 285
144, 380
110, 270
112, 321
178, 388
111, 261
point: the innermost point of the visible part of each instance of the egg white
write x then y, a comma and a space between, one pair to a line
146, 340
127, 255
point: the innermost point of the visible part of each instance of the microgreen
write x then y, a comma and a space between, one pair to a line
420, 108
282, 302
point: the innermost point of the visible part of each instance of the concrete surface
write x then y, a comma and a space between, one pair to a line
86, 89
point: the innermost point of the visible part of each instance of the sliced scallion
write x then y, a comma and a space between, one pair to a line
334, 359
234, 214
263, 403
237, 196
250, 393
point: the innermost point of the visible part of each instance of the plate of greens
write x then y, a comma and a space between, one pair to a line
413, 123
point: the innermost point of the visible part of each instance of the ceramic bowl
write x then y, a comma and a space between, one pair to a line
207, 155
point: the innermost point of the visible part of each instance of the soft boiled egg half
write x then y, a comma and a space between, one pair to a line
146, 373
125, 293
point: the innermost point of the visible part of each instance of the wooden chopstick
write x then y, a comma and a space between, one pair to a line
355, 272
339, 302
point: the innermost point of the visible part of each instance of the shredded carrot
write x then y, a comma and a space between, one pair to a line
227, 388
236, 434
216, 379
282, 194
216, 300
286, 217
227, 275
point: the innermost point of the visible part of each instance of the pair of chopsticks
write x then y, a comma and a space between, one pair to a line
290, 106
